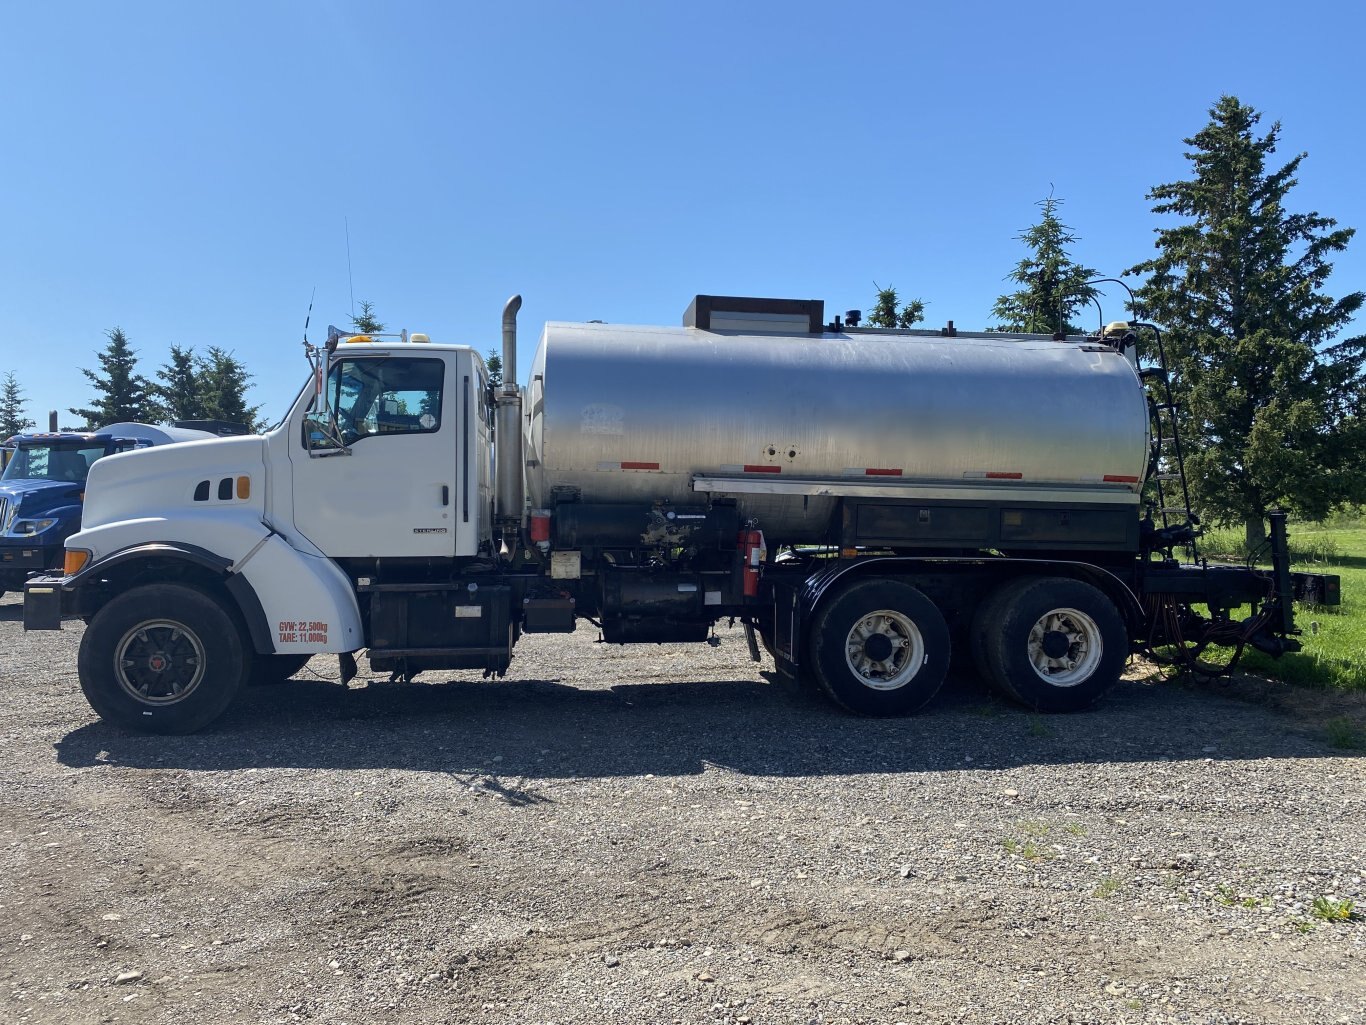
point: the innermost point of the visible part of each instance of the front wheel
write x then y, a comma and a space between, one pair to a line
162, 658
1053, 643
880, 648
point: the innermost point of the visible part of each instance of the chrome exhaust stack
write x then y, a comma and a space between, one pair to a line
509, 487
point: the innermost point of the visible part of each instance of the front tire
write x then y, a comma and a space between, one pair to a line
162, 658
880, 648
1056, 644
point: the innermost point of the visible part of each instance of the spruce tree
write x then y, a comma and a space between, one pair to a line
1053, 285
179, 386
889, 312
122, 394
367, 323
223, 381
1271, 406
12, 418
494, 363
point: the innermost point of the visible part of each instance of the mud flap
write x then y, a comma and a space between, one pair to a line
43, 604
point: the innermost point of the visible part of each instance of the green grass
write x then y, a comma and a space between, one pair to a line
1334, 639
1027, 849
1107, 887
1342, 733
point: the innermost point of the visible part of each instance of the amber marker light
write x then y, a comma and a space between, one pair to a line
75, 560
243, 487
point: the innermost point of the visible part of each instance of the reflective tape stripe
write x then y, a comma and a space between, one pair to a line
1120, 478
628, 466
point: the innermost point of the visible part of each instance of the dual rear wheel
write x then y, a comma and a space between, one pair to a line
1051, 643
881, 647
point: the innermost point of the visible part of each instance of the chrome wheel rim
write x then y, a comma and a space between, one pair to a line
159, 662
1065, 647
884, 650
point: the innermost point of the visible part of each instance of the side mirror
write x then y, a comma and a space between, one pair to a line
321, 436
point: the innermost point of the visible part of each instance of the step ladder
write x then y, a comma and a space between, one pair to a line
1170, 478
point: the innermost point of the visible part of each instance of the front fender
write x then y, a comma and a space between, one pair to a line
292, 602
228, 534
308, 603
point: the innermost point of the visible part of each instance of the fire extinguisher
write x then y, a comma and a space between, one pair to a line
752, 555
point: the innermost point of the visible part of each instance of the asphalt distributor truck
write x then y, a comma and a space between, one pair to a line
868, 504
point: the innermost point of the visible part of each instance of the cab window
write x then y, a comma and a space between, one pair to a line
386, 395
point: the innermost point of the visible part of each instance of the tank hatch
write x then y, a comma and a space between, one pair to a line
755, 316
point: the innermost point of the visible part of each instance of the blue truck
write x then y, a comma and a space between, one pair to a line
43, 485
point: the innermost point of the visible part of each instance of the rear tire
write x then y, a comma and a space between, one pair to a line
986, 623
880, 648
162, 658
1057, 644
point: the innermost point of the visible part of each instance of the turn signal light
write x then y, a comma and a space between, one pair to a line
243, 487
75, 560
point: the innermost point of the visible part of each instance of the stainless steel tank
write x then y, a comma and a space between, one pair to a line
787, 423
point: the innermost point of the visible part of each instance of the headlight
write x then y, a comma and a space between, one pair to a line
23, 527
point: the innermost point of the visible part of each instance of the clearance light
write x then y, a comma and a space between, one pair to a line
357, 339
418, 337
243, 487
75, 560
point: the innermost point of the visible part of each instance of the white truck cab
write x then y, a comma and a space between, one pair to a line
405, 473
388, 458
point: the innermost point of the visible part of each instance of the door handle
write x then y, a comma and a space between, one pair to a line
445, 494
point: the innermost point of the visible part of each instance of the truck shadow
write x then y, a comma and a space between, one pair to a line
541, 729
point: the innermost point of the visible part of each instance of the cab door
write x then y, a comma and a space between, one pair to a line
384, 485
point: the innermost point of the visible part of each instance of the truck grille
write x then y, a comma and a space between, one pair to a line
4, 515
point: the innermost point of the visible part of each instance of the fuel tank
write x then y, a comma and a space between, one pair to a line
788, 423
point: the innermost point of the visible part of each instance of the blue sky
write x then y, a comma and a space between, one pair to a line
187, 171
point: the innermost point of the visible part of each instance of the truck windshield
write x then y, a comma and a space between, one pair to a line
70, 462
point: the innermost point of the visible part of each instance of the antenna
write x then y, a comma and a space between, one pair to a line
349, 283
310, 314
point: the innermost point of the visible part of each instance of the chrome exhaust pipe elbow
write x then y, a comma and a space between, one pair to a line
510, 343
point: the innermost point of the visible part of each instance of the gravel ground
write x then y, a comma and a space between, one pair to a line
668, 834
